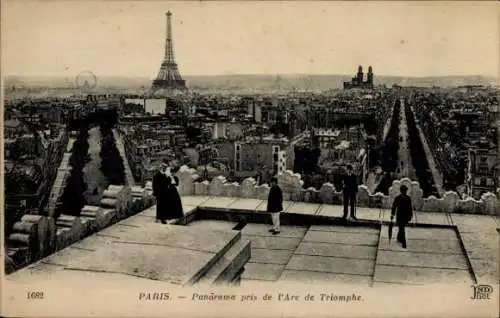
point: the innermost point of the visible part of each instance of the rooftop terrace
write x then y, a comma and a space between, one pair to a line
442, 248
224, 238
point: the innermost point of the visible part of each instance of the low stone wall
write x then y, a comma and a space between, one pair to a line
293, 190
405, 163
32, 238
37, 236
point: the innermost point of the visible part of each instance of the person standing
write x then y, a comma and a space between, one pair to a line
174, 210
350, 189
160, 190
275, 205
403, 210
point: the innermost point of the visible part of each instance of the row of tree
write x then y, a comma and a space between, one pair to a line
306, 160
389, 154
280, 128
112, 166
306, 163
418, 157
72, 199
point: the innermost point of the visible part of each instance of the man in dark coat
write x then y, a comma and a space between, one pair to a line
350, 189
403, 210
160, 191
275, 205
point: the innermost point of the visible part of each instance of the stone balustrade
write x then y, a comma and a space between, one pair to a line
138, 192
293, 190
149, 188
32, 237
118, 198
69, 230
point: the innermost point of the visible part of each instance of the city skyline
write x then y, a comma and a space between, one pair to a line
105, 38
282, 168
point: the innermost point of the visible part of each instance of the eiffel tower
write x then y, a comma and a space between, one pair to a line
168, 77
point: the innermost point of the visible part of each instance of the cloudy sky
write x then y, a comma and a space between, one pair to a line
127, 38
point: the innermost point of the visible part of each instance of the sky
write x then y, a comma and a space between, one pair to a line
127, 38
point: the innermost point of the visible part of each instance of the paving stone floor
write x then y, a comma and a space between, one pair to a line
467, 252
434, 255
479, 234
270, 253
334, 253
350, 255
137, 247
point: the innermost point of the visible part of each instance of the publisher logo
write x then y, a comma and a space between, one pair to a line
481, 291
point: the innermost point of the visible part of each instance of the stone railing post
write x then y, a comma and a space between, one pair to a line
187, 178
248, 188
217, 186
291, 185
490, 204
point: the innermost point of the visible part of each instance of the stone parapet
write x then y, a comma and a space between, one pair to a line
69, 230
149, 188
138, 192
117, 197
32, 237
293, 190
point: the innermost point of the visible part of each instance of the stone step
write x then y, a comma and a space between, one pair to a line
227, 269
230, 237
212, 225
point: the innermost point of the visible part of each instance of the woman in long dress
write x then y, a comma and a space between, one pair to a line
174, 203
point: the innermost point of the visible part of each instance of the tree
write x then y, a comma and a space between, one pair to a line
193, 134
112, 165
280, 128
306, 160
72, 199
13, 182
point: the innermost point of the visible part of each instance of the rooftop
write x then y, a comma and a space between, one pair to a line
442, 248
